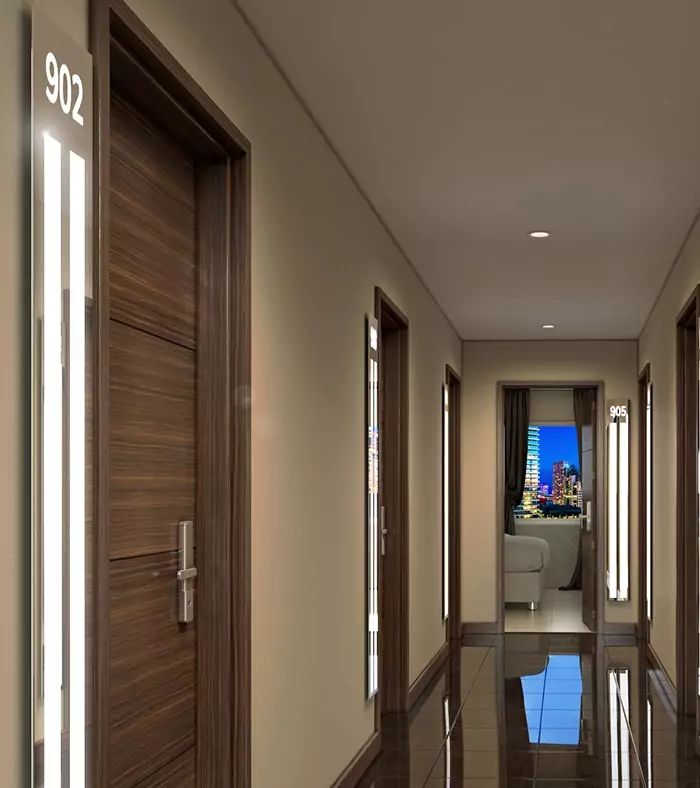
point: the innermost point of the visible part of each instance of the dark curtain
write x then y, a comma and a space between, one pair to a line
516, 408
583, 414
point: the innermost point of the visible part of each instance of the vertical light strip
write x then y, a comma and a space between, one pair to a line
448, 741
625, 749
648, 480
446, 507
374, 533
624, 513
612, 511
77, 470
373, 512
614, 742
52, 466
650, 745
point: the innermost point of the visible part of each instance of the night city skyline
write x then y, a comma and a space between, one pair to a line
557, 444
552, 482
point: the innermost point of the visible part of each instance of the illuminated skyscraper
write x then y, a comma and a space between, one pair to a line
530, 504
559, 474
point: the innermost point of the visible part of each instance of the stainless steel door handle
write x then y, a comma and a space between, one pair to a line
186, 573
383, 530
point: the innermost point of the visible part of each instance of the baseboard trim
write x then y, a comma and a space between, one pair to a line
361, 763
480, 628
429, 672
626, 629
663, 681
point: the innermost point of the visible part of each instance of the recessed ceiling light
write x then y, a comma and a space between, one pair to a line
539, 234
548, 325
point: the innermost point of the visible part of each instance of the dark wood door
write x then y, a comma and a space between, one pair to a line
152, 453
687, 653
589, 526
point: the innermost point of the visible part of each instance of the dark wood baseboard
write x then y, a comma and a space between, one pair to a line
480, 628
663, 680
361, 763
430, 671
626, 629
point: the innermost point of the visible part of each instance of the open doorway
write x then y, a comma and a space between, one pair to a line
548, 455
393, 502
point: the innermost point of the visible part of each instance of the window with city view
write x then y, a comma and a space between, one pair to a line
552, 479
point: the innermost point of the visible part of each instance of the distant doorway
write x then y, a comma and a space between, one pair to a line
393, 502
548, 454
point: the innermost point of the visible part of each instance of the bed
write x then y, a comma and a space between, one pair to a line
525, 558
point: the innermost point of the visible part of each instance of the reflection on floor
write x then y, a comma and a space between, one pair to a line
560, 611
539, 711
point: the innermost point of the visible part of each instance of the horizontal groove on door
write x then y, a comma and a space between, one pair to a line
179, 773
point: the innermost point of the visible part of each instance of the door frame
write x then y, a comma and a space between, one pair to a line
687, 516
645, 437
454, 618
393, 695
123, 46
600, 522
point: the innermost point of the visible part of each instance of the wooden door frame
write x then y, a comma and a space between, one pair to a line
393, 695
686, 512
600, 522
644, 623
454, 618
122, 46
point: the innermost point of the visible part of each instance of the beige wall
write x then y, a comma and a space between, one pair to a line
657, 346
318, 252
484, 365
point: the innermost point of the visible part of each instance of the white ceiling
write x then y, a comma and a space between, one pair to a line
469, 123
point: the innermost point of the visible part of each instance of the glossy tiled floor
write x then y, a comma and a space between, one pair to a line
559, 611
539, 711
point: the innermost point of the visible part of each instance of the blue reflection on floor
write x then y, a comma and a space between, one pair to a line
553, 701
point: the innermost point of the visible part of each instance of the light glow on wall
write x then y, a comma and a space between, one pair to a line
618, 472
52, 464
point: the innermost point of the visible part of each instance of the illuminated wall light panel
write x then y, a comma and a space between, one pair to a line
648, 485
373, 513
446, 504
52, 465
62, 267
618, 483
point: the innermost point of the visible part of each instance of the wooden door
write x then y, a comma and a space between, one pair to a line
687, 651
589, 527
454, 626
393, 500
152, 453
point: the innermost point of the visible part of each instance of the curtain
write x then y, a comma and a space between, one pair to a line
583, 414
516, 408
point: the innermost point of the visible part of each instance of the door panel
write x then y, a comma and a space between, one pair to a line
152, 441
589, 526
152, 230
152, 670
152, 455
